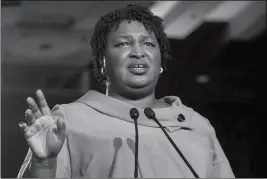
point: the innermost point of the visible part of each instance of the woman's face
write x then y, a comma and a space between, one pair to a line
133, 59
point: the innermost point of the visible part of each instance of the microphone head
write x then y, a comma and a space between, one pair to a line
134, 113
149, 113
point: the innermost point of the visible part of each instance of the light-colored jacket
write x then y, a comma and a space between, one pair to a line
101, 137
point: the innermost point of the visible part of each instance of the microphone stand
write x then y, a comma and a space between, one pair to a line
134, 115
151, 115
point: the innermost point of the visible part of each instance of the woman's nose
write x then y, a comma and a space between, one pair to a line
137, 52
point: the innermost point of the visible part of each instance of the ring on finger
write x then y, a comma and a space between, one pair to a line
21, 124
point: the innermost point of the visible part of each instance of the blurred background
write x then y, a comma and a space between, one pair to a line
214, 45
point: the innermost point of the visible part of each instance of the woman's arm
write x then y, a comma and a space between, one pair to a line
221, 166
43, 168
59, 167
37, 168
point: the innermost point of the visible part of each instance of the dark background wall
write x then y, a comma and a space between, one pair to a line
228, 100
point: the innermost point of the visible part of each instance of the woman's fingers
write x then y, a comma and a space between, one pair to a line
23, 125
29, 117
45, 110
35, 109
29, 131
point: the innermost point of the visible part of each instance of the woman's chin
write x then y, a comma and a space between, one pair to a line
137, 91
138, 84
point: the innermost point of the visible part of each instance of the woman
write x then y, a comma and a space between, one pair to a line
98, 136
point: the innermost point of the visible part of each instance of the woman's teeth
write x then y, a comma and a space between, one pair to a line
138, 69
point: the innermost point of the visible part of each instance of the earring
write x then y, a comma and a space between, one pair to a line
161, 70
107, 87
104, 66
104, 62
102, 71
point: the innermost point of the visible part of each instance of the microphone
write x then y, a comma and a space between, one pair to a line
151, 115
117, 143
134, 115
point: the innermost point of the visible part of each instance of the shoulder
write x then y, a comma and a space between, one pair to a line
71, 107
198, 121
192, 117
74, 111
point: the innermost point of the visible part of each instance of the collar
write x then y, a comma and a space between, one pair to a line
113, 107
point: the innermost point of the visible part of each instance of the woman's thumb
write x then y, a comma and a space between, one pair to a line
61, 126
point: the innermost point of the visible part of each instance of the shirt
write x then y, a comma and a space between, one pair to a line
100, 141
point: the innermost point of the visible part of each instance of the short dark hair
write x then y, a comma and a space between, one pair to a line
151, 22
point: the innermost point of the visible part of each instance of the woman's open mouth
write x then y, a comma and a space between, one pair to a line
138, 69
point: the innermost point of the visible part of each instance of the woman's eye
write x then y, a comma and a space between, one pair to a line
149, 44
122, 44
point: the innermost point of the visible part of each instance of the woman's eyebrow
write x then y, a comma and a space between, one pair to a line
147, 36
125, 36
129, 37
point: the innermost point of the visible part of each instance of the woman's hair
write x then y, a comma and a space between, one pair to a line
151, 22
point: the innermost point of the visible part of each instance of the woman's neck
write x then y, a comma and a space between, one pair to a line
147, 101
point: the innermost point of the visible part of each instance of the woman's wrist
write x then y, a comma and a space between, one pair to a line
49, 162
43, 167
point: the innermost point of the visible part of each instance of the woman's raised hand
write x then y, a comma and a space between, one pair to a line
44, 134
